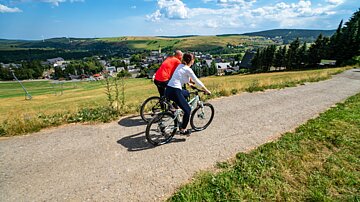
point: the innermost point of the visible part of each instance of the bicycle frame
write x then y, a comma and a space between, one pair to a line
168, 123
194, 102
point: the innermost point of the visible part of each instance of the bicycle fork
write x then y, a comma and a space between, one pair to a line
201, 114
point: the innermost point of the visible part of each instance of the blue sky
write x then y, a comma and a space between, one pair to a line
35, 19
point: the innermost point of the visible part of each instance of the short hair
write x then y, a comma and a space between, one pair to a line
187, 57
178, 52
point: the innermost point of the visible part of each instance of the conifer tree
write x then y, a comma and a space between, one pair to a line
292, 55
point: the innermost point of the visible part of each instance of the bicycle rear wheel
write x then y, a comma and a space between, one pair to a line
150, 108
201, 117
161, 129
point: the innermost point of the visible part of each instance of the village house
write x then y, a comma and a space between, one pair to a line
111, 70
221, 67
103, 62
208, 62
324, 62
126, 61
13, 65
55, 62
119, 69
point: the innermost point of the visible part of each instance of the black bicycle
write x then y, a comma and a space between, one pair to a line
163, 126
153, 106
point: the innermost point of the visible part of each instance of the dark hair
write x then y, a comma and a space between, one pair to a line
187, 57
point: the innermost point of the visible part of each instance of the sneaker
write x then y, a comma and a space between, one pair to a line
186, 132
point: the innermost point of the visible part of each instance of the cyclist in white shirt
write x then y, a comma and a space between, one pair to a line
183, 75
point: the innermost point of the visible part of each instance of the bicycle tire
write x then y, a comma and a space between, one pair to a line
194, 115
165, 124
148, 115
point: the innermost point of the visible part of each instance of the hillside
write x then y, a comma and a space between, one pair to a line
201, 43
75, 48
13, 50
289, 35
190, 42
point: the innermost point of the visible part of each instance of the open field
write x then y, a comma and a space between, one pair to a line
187, 43
91, 94
198, 43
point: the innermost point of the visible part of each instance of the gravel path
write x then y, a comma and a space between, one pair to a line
113, 162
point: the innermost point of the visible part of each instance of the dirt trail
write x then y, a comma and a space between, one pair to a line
113, 162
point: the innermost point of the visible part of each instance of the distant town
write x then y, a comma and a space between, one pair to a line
135, 66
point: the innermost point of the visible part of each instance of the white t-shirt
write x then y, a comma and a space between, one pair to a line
182, 75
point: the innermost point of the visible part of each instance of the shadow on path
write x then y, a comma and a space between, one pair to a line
138, 142
132, 121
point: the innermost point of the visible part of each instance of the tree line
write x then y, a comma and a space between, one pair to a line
201, 69
343, 46
88, 67
28, 70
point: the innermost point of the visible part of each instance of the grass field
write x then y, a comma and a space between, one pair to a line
76, 96
320, 161
187, 43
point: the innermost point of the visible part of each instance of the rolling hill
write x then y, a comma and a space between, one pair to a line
289, 35
74, 48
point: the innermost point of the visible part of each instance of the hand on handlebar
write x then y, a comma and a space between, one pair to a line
206, 91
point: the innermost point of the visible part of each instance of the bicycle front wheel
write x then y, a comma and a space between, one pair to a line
150, 108
161, 129
201, 117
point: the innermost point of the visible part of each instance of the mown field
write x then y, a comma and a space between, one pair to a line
199, 43
48, 101
187, 43
320, 161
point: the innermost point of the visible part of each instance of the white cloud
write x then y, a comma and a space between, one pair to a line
5, 9
243, 15
335, 2
171, 9
236, 3
155, 17
57, 2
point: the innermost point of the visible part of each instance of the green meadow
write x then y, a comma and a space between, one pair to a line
320, 161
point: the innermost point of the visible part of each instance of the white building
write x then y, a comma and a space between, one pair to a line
221, 67
56, 61
111, 70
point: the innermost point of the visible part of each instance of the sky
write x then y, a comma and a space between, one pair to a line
37, 19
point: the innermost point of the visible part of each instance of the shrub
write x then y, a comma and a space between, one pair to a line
234, 91
2, 131
103, 114
224, 92
243, 71
254, 86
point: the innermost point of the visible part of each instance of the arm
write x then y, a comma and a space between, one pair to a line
194, 79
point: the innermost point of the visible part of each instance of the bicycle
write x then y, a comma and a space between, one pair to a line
162, 128
151, 107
